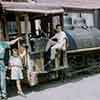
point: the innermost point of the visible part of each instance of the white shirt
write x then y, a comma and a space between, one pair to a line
59, 36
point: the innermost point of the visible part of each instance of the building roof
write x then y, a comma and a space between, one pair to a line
85, 4
31, 7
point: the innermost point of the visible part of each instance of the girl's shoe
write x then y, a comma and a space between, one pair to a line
3, 98
21, 93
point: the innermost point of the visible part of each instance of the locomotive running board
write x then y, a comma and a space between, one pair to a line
83, 50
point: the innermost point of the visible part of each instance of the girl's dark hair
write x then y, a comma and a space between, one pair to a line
58, 25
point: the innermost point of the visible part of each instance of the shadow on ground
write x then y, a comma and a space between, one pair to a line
11, 88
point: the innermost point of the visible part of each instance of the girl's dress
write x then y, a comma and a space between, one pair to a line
16, 68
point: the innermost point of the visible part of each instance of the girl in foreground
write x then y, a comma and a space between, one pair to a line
16, 70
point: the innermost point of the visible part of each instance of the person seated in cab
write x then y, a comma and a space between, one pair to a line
57, 42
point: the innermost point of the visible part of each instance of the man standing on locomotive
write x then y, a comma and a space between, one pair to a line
3, 45
58, 41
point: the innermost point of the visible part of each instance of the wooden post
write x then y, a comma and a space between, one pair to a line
33, 30
51, 24
26, 19
44, 23
18, 24
4, 27
27, 30
61, 20
6, 31
18, 27
0, 26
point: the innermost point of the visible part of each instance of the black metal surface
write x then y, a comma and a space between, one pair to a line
81, 36
38, 44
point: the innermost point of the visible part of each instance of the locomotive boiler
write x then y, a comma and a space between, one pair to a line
83, 53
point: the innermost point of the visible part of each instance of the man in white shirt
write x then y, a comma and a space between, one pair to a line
58, 41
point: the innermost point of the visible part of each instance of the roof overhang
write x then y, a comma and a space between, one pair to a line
81, 4
31, 8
